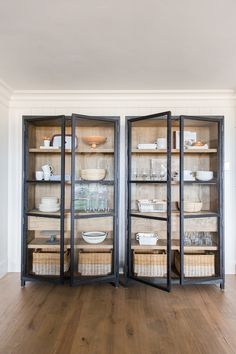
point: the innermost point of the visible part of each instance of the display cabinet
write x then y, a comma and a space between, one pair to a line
70, 199
175, 200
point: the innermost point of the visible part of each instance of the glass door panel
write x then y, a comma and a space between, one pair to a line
201, 195
149, 199
94, 199
45, 255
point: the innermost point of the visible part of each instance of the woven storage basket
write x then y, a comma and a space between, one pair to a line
150, 264
47, 262
91, 263
196, 265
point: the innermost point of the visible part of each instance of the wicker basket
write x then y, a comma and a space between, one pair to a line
48, 262
150, 264
91, 263
197, 265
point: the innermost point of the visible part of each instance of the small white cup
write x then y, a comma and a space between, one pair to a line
39, 175
46, 142
188, 174
46, 176
161, 143
47, 169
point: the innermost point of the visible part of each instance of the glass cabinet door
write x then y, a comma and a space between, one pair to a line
149, 200
44, 252
94, 199
201, 199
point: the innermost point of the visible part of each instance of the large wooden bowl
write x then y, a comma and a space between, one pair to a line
94, 140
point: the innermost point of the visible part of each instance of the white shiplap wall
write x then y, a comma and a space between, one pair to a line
4, 111
121, 103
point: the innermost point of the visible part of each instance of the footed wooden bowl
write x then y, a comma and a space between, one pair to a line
94, 140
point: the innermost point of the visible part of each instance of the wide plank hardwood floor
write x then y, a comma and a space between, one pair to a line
99, 319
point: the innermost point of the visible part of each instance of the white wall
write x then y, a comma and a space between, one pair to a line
4, 112
122, 104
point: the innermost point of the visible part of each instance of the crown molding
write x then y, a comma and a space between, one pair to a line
5, 93
121, 94
118, 98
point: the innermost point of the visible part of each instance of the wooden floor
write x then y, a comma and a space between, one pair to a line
99, 319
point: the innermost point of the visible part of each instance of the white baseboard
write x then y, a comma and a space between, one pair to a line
3, 268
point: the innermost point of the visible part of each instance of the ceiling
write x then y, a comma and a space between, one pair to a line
118, 44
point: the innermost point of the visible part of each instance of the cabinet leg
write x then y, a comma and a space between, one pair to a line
124, 281
22, 283
222, 285
115, 284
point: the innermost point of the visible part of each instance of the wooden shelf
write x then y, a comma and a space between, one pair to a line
175, 213
162, 245
46, 151
108, 182
174, 151
95, 151
78, 215
47, 182
36, 212
134, 151
213, 181
80, 244
68, 151
42, 243
97, 214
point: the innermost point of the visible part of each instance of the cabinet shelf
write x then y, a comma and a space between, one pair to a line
213, 181
36, 212
174, 214
43, 244
174, 151
107, 182
48, 151
88, 215
81, 244
68, 151
45, 182
162, 245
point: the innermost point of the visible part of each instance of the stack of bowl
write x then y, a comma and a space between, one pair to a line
49, 204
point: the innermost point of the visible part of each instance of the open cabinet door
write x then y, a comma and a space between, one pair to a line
148, 256
94, 199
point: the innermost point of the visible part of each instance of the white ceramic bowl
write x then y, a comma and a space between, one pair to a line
94, 236
204, 175
93, 174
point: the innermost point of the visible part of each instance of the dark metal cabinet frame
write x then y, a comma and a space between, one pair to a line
62, 121
220, 278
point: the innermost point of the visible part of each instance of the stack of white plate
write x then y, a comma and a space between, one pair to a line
49, 204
